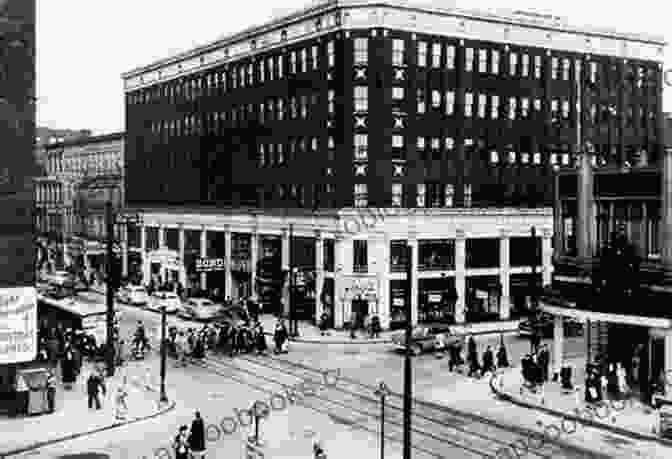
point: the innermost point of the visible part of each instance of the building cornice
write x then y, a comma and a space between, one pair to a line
506, 27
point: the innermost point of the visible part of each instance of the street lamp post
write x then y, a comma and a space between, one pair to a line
163, 397
408, 376
382, 392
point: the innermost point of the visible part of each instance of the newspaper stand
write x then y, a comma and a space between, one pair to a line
253, 449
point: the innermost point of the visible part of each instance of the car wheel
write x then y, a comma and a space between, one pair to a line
416, 350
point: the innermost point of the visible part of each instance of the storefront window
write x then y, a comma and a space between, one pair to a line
152, 235
398, 256
172, 238
482, 253
437, 300
483, 295
436, 255
133, 234
525, 251
521, 292
397, 304
328, 248
192, 251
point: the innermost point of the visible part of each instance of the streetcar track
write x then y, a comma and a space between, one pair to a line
554, 447
321, 411
370, 416
445, 418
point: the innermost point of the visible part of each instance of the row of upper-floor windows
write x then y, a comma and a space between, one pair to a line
95, 163
435, 55
236, 76
274, 109
427, 195
494, 106
51, 193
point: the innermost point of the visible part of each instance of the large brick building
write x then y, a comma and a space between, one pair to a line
454, 121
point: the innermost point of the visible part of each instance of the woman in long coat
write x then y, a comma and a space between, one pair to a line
68, 369
260, 340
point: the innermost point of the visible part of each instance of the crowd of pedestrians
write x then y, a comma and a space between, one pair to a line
232, 339
535, 367
472, 366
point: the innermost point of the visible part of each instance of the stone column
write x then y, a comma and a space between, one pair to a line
284, 257
143, 254
319, 274
124, 250
384, 283
228, 279
666, 210
668, 362
254, 258
504, 275
585, 237
547, 257
180, 249
204, 254
339, 270
460, 276
162, 237
558, 343
413, 242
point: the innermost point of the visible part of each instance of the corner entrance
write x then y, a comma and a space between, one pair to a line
360, 309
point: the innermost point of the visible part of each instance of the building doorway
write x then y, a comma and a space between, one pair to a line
360, 309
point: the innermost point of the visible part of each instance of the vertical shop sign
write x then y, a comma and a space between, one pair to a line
18, 324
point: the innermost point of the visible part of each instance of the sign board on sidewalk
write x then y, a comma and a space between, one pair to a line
210, 264
18, 324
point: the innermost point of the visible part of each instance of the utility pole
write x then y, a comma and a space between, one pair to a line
533, 281
408, 381
109, 297
163, 398
292, 313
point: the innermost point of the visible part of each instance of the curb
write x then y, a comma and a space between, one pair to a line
43, 444
580, 420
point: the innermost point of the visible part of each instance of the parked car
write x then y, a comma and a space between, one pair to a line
133, 294
201, 309
543, 322
168, 299
428, 337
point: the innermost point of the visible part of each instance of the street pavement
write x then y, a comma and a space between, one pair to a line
222, 386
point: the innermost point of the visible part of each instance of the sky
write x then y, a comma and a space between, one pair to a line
84, 46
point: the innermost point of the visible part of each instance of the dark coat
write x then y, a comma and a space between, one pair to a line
197, 435
260, 339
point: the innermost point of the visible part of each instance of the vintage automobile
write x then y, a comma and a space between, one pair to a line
201, 309
168, 299
428, 337
134, 295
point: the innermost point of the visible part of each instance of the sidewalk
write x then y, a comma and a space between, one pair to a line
309, 333
632, 418
72, 418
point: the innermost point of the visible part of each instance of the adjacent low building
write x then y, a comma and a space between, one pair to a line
82, 175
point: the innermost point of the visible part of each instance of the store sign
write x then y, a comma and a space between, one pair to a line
18, 324
434, 297
210, 264
360, 286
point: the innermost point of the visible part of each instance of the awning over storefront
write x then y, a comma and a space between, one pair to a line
583, 315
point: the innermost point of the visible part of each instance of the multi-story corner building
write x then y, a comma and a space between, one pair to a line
450, 122
82, 174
